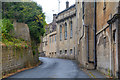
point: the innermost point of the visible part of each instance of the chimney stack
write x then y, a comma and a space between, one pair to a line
54, 17
67, 4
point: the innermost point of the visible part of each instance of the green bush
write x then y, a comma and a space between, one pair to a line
6, 27
28, 12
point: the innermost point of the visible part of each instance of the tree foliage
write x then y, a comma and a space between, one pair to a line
28, 12
6, 27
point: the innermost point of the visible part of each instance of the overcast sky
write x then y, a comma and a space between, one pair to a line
50, 7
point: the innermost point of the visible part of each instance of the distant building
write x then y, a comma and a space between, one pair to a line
88, 32
66, 32
49, 44
49, 40
52, 26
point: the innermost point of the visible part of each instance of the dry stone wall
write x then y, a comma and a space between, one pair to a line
15, 58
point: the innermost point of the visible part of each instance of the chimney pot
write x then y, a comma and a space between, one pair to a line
67, 4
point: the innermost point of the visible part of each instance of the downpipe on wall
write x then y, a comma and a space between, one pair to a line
82, 22
95, 56
87, 36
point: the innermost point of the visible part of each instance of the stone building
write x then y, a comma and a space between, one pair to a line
52, 26
49, 40
85, 12
98, 46
49, 46
88, 32
107, 37
66, 32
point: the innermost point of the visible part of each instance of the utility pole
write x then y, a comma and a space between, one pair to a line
58, 6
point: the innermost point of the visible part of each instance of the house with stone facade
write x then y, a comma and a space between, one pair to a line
88, 32
49, 44
66, 32
98, 46
49, 40
107, 37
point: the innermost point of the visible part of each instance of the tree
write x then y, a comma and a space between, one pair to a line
28, 12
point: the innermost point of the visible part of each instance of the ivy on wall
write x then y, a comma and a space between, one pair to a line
7, 38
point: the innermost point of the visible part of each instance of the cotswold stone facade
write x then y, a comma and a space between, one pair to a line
107, 44
99, 46
89, 32
66, 33
86, 39
49, 44
15, 58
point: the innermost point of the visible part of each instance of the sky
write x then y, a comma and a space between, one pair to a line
50, 7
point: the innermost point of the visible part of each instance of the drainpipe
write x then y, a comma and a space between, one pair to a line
87, 36
82, 34
95, 56
82, 22
87, 44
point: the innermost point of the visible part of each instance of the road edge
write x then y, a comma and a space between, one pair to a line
23, 69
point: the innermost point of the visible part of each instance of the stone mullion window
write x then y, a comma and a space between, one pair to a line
71, 30
60, 33
65, 31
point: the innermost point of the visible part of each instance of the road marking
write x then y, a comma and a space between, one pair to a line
89, 74
92, 75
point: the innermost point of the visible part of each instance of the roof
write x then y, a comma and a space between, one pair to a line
66, 9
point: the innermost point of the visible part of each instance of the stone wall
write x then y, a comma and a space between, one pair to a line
14, 58
21, 30
40, 47
103, 52
86, 40
106, 36
107, 55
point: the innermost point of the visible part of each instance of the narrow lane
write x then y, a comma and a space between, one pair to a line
53, 68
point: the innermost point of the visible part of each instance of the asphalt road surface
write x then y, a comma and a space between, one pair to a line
53, 68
